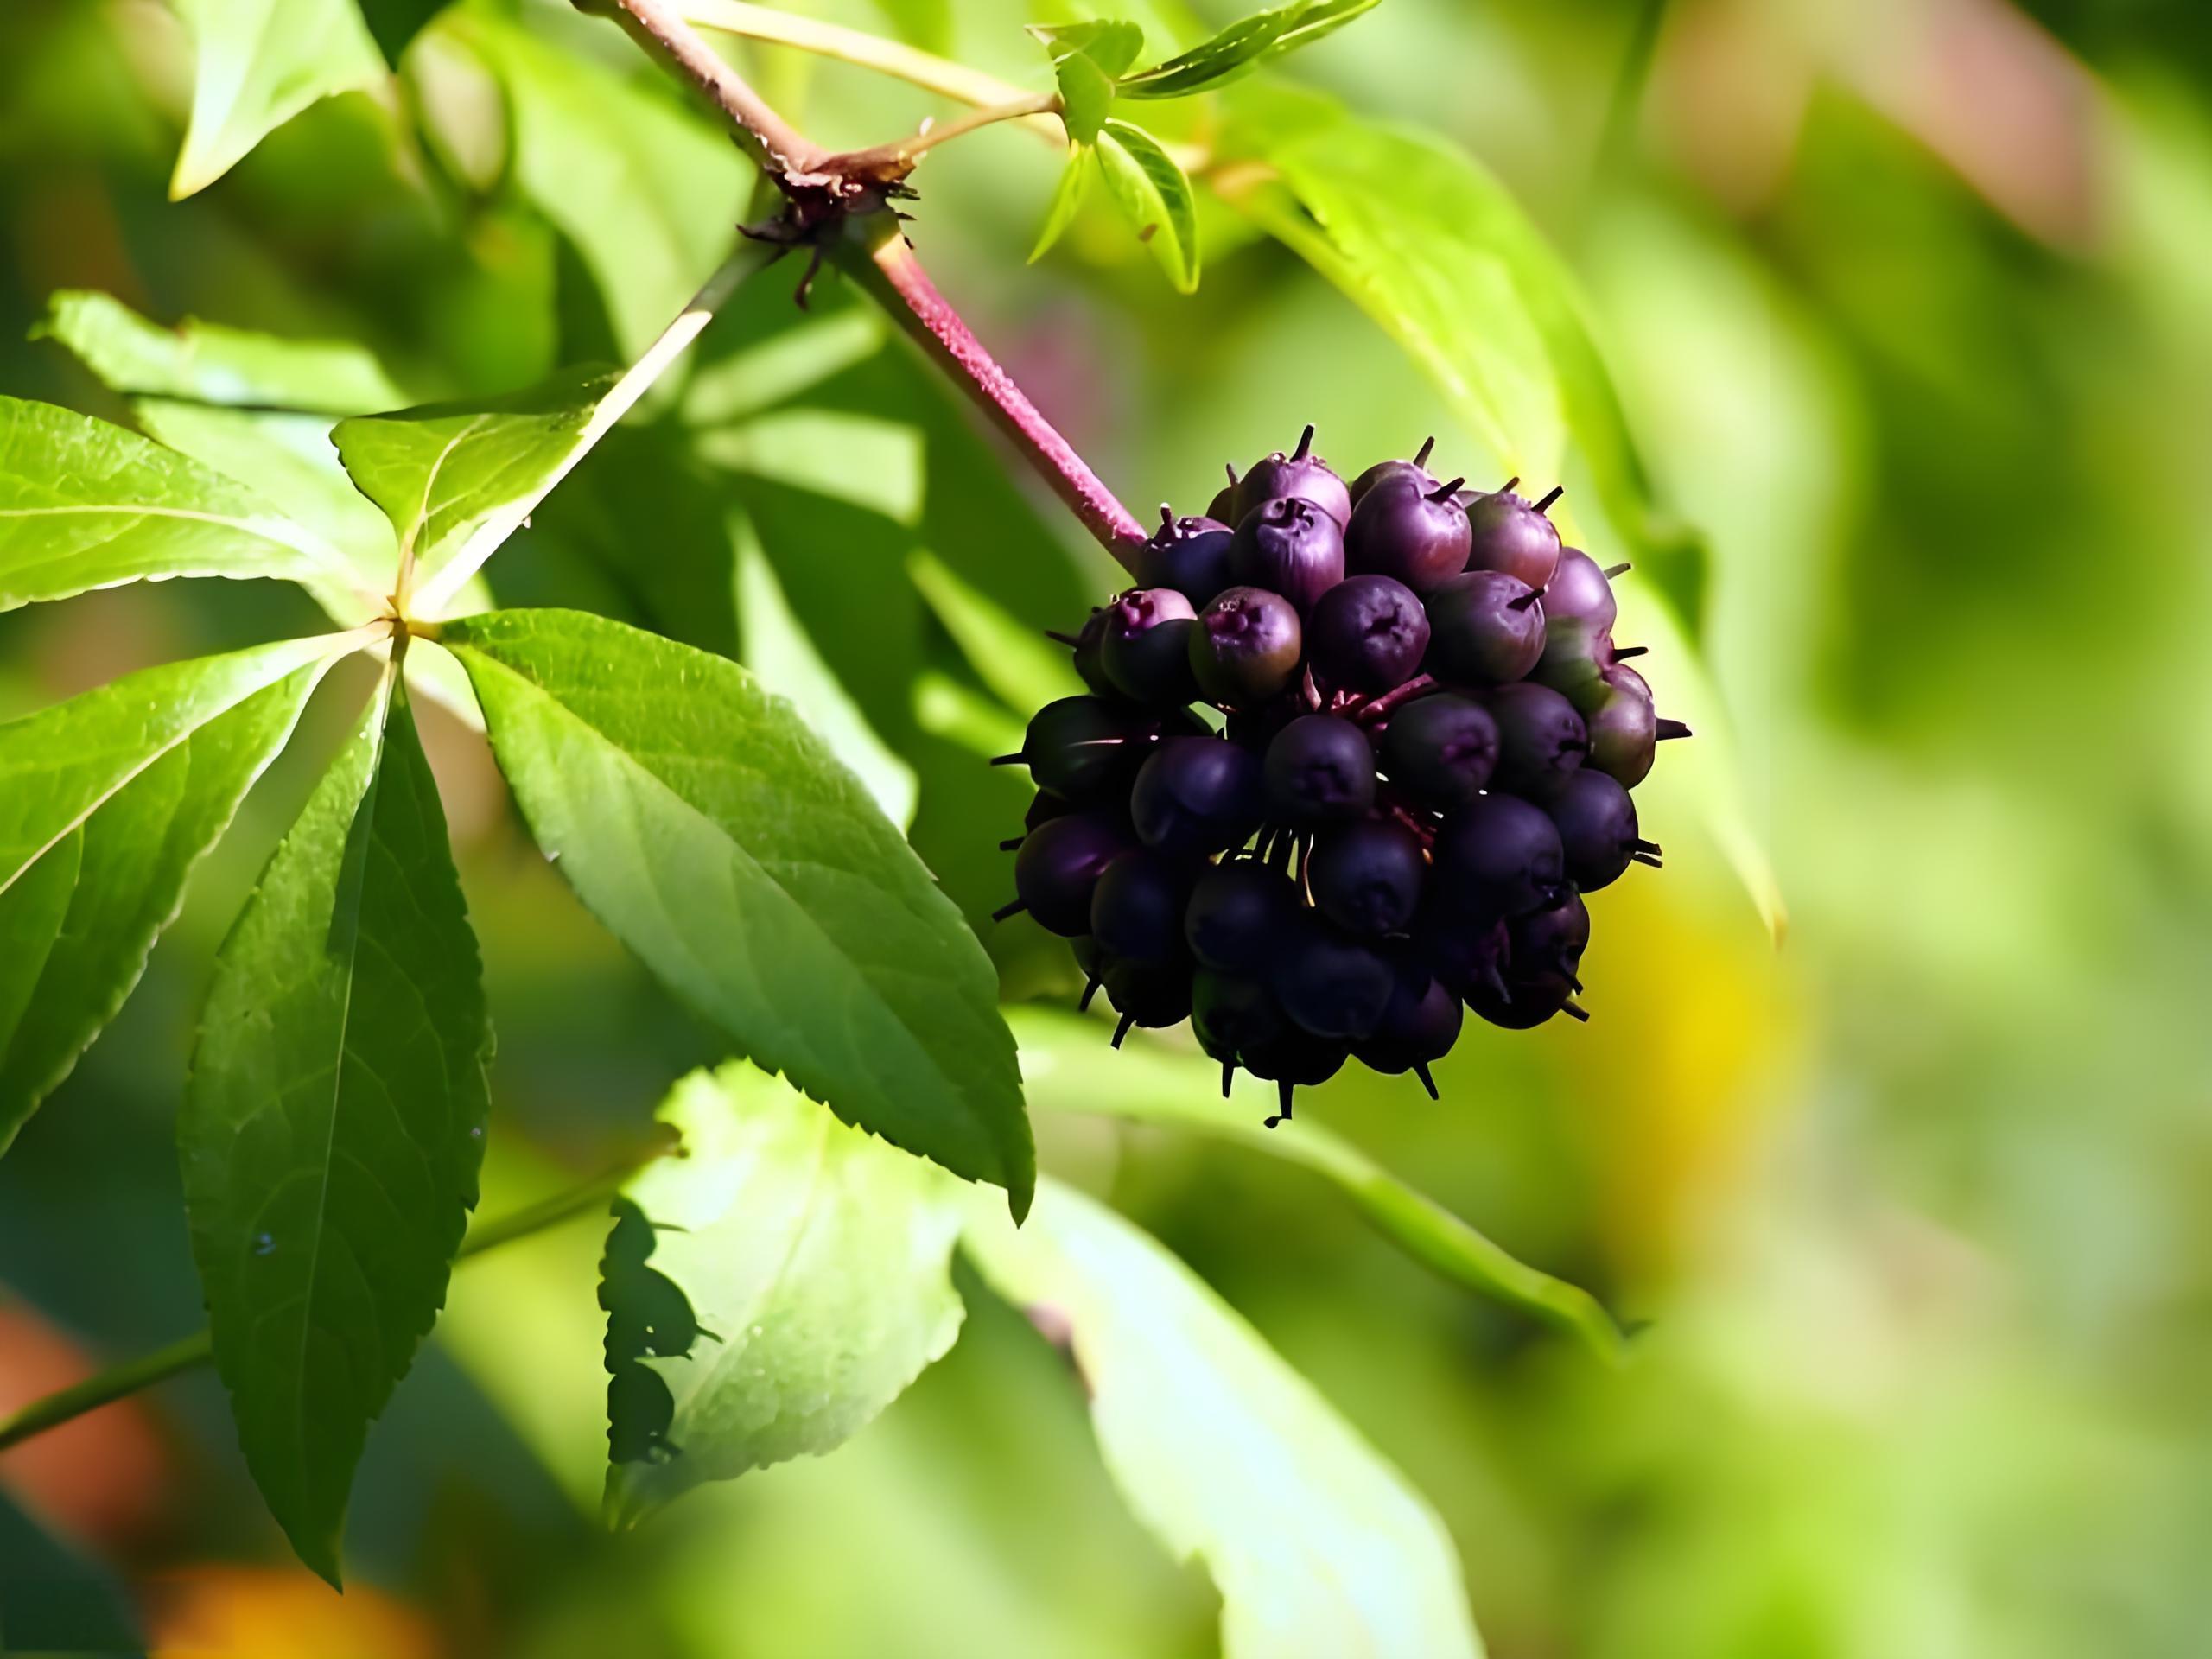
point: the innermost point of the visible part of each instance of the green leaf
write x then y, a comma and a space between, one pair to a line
1148, 1084
106, 803
1023, 668
926, 23
457, 479
85, 505
1154, 196
1067, 202
395, 23
645, 191
776, 648
256, 64
1243, 46
723, 844
1316, 1545
333, 1123
209, 364
813, 1262
1438, 252
1086, 58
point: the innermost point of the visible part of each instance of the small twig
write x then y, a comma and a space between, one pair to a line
901, 155
771, 141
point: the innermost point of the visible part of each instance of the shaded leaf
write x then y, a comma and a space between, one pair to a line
457, 480
646, 192
106, 803
210, 364
927, 23
722, 842
804, 1279
85, 505
395, 23
333, 1123
1067, 202
776, 648
256, 64
1319, 1547
1154, 196
1086, 58
1026, 669
1148, 1085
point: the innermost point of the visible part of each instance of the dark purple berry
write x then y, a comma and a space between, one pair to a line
1499, 857
1578, 592
1539, 737
1300, 475
1231, 1013
1529, 1002
1415, 470
1198, 795
1485, 628
1419, 1026
1576, 656
1623, 729
1291, 1060
1319, 770
1082, 747
1245, 648
1416, 537
1188, 554
1237, 915
1508, 534
1046, 807
1463, 956
1331, 985
1147, 647
1291, 547
1057, 869
1136, 909
1552, 941
1597, 827
1089, 664
1441, 749
1094, 961
1222, 508
1366, 877
1153, 994
1367, 634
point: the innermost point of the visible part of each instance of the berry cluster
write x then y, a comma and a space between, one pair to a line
1429, 741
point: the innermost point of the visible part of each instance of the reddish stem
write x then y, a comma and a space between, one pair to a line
1420, 686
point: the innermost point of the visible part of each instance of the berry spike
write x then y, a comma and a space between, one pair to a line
1090, 990
1627, 652
1445, 491
1523, 601
1122, 1029
1575, 1010
1651, 847
1012, 909
1059, 638
1421, 1070
1011, 842
1646, 858
1671, 728
1286, 1089
1166, 516
1615, 572
1015, 759
1228, 1071
1231, 468
1421, 455
1545, 506
1304, 443
1506, 488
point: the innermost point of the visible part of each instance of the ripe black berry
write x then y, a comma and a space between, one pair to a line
1539, 737
1499, 857
1331, 985
1419, 538
1188, 554
1153, 994
1508, 535
1579, 591
1366, 877
1057, 869
1082, 747
1136, 908
1237, 915
1290, 547
1552, 941
1085, 646
1463, 956
1416, 470
1319, 770
1231, 1013
1222, 508
1300, 475
1246, 646
1597, 827
1526, 1002
1367, 634
1292, 1059
1441, 749
1485, 628
1418, 1026
1198, 795
1147, 647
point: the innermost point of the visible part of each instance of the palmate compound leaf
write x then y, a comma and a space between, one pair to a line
256, 64
725, 845
333, 1123
1150, 1084
1086, 59
106, 803
770, 1292
1319, 1547
85, 505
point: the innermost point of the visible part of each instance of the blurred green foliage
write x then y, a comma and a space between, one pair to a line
1906, 304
